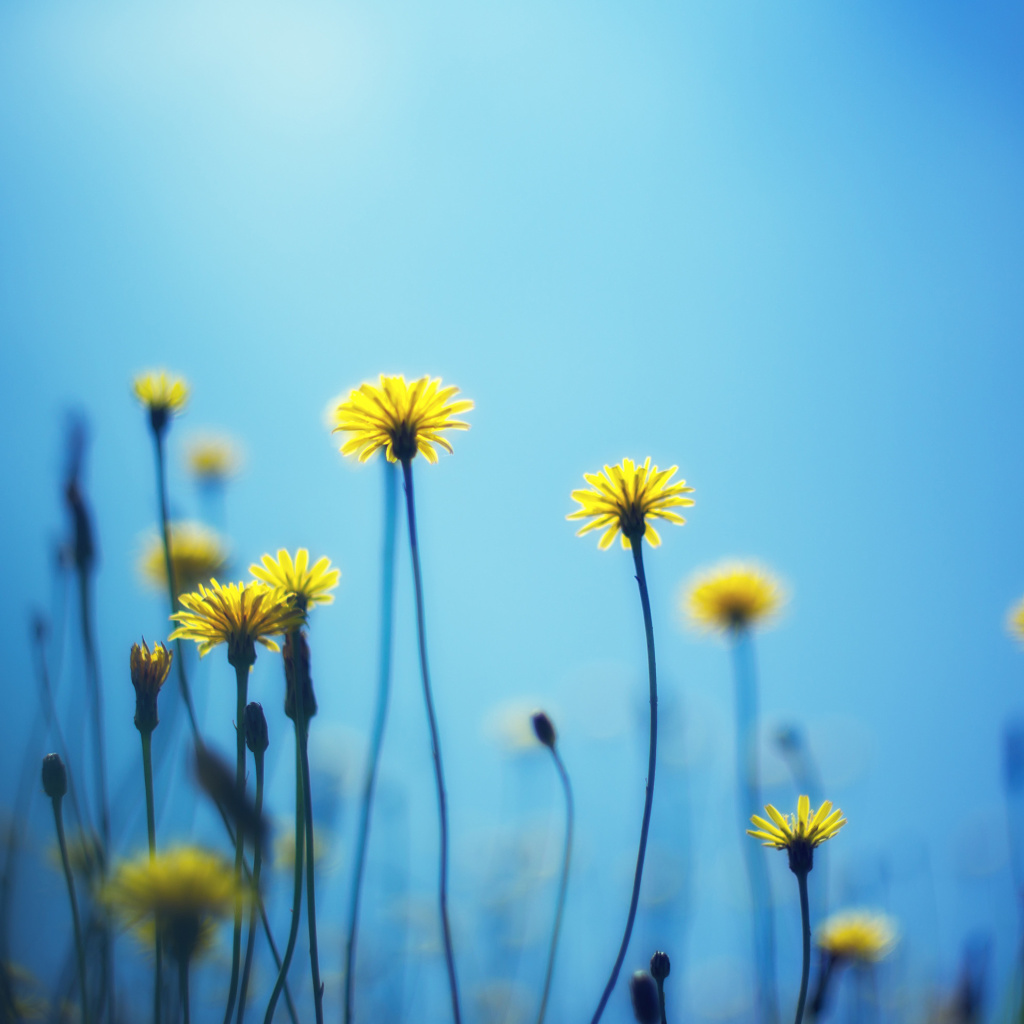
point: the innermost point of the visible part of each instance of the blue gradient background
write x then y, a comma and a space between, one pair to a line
779, 246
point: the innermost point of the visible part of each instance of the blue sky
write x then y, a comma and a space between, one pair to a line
778, 247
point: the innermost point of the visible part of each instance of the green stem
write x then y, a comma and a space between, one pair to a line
165, 529
805, 920
660, 982
257, 863
300, 841
183, 989
563, 884
314, 955
147, 772
242, 690
380, 717
75, 920
435, 742
749, 789
636, 543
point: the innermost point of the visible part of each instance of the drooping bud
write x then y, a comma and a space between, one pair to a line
256, 736
55, 777
544, 729
660, 966
149, 672
297, 676
644, 995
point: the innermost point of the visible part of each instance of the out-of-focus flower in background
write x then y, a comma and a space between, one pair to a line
733, 595
197, 555
859, 936
212, 458
162, 394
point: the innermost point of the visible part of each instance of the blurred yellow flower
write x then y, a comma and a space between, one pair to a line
161, 394
401, 418
296, 580
181, 892
733, 595
197, 553
861, 935
624, 497
801, 832
212, 458
238, 615
1015, 620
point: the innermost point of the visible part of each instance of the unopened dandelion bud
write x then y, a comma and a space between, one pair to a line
149, 671
544, 729
644, 995
55, 777
660, 966
297, 676
256, 736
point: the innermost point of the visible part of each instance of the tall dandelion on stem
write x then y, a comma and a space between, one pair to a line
544, 730
302, 586
405, 420
379, 721
55, 785
149, 671
733, 598
798, 835
622, 499
239, 615
164, 397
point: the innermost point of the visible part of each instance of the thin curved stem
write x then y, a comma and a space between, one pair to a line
257, 863
435, 742
300, 843
75, 919
652, 757
563, 884
165, 529
379, 720
147, 772
242, 695
805, 920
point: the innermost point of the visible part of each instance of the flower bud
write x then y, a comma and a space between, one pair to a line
297, 677
256, 736
55, 777
149, 672
644, 994
544, 729
660, 966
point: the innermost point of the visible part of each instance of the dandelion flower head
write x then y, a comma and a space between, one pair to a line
1015, 620
733, 596
181, 892
799, 833
863, 936
237, 614
161, 394
624, 497
212, 458
296, 580
197, 553
149, 671
401, 418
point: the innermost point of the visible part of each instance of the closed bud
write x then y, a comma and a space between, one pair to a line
297, 677
149, 672
55, 777
660, 966
644, 994
544, 729
256, 737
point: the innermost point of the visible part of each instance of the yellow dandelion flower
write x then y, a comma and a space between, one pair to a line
212, 458
149, 671
401, 418
733, 595
624, 497
1015, 621
864, 936
296, 580
162, 394
239, 615
197, 554
799, 834
181, 892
